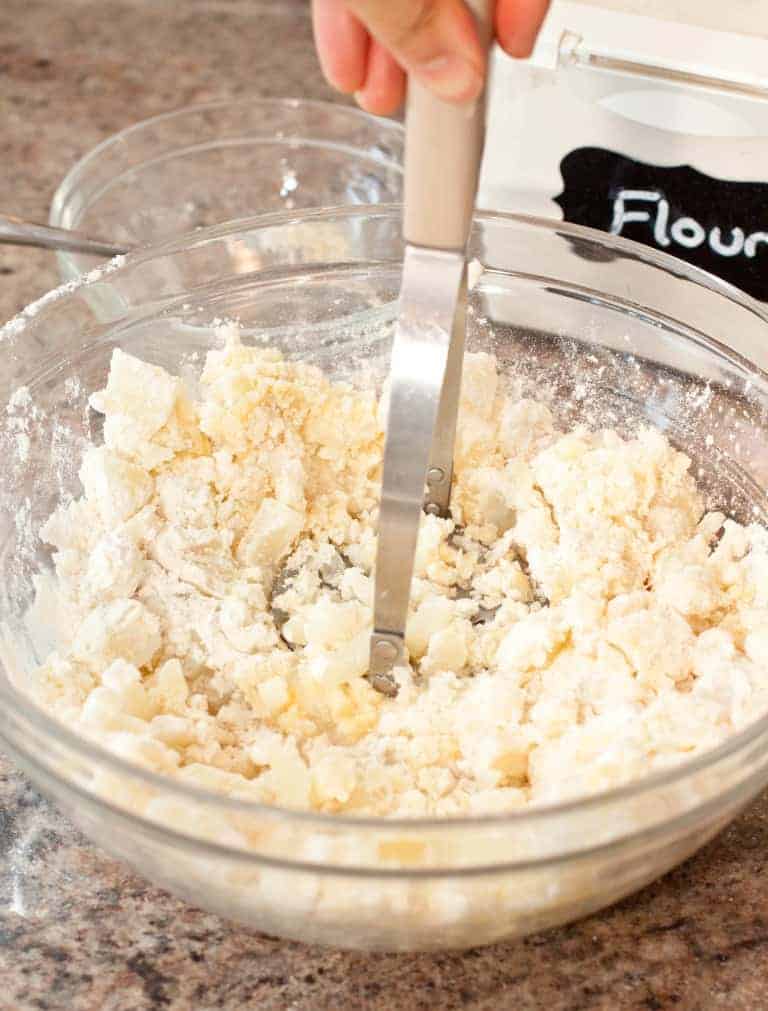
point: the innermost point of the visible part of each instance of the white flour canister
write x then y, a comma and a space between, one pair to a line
652, 127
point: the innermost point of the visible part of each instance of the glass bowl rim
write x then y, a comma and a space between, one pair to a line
15, 702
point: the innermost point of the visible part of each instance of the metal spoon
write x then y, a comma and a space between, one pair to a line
18, 232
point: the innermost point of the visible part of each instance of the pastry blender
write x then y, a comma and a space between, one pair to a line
443, 152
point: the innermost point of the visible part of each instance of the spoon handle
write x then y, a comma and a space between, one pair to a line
17, 232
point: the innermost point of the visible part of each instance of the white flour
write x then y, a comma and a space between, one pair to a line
626, 628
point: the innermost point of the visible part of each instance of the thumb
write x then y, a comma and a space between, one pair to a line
435, 40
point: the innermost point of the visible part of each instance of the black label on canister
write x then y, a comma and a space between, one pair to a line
716, 224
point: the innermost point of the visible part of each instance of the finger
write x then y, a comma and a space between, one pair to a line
342, 44
384, 89
435, 40
518, 23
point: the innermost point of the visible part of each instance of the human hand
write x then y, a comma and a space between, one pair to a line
367, 47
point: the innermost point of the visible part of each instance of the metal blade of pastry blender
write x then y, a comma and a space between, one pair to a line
444, 146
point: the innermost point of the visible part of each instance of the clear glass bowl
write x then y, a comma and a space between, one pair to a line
206, 164
608, 331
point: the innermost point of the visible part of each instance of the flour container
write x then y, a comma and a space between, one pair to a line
652, 128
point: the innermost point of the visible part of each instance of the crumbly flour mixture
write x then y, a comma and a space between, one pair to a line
578, 623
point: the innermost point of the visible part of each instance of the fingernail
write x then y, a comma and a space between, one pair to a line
519, 46
452, 78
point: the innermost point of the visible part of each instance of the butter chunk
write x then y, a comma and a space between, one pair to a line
120, 630
143, 394
117, 487
271, 534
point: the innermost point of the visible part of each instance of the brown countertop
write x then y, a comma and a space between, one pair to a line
79, 931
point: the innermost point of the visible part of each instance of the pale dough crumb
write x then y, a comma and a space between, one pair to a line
580, 622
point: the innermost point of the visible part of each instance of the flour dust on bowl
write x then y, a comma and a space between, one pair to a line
478, 842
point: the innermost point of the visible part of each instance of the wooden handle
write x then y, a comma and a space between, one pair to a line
443, 151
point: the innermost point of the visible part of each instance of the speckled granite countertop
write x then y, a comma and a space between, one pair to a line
79, 931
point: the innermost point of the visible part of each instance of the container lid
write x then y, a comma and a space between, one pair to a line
744, 17
681, 42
